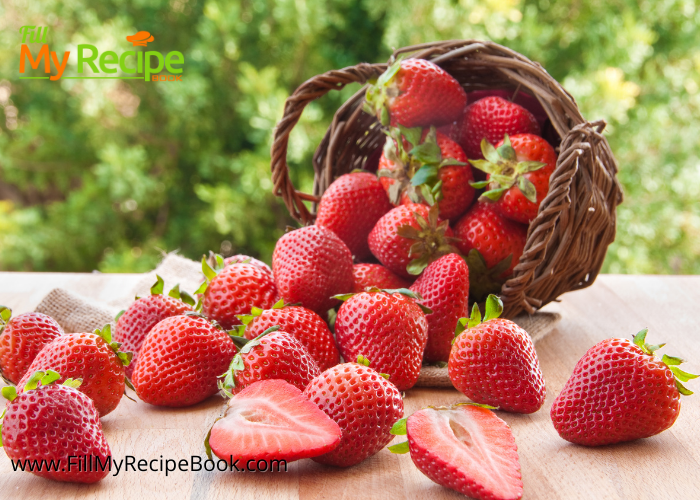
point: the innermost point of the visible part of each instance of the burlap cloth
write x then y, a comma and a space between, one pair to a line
81, 313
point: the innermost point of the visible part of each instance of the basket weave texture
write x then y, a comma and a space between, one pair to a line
566, 242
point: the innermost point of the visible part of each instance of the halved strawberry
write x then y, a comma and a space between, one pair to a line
272, 420
466, 448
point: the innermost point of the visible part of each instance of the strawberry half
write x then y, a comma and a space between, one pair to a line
21, 339
272, 420
350, 207
377, 276
518, 169
495, 362
618, 392
425, 166
466, 448
444, 286
50, 422
93, 357
363, 403
415, 93
303, 324
134, 324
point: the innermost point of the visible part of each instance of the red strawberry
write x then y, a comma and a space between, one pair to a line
365, 406
491, 118
56, 425
134, 324
92, 357
518, 170
415, 93
377, 276
303, 324
272, 420
271, 355
444, 286
527, 101
311, 265
180, 361
244, 259
409, 238
619, 392
495, 362
350, 207
390, 329
21, 339
424, 166
493, 245
234, 290
466, 448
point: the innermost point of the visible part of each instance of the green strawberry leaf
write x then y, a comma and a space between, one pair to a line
451, 161
399, 427
202, 288
425, 174
255, 311
385, 119
427, 153
119, 315
157, 288
390, 72
525, 167
681, 375
671, 360
494, 194
343, 296
416, 266
5, 314
479, 184
361, 360
475, 318
34, 380
412, 135
461, 325
682, 389
483, 165
506, 150
279, 304
528, 189
384, 375
187, 298
208, 272
640, 338
489, 152
427, 195
175, 292
400, 448
9, 393
494, 307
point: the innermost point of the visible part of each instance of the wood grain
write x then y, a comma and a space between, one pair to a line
664, 466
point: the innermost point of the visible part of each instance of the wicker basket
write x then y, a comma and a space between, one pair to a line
566, 243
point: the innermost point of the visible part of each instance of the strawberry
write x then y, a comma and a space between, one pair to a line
433, 170
180, 361
303, 324
493, 246
21, 339
377, 276
234, 290
527, 101
274, 354
92, 357
363, 403
518, 170
491, 118
495, 362
272, 420
415, 93
619, 391
409, 238
245, 259
134, 324
444, 286
311, 265
466, 448
389, 328
350, 207
57, 426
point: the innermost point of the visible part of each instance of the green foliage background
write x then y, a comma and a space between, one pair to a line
105, 174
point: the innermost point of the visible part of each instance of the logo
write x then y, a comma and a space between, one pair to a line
141, 38
91, 64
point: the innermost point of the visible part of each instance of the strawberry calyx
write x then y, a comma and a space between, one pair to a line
399, 428
505, 171
106, 334
391, 291
416, 170
671, 362
255, 312
482, 280
431, 241
382, 93
237, 364
362, 360
157, 289
493, 309
5, 315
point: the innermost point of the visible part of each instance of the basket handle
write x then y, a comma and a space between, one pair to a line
310, 90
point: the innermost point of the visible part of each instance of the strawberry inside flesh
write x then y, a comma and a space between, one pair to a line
468, 449
272, 420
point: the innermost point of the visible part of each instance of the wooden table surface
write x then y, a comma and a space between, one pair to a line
664, 466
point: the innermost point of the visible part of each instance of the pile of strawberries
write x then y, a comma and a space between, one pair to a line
383, 280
